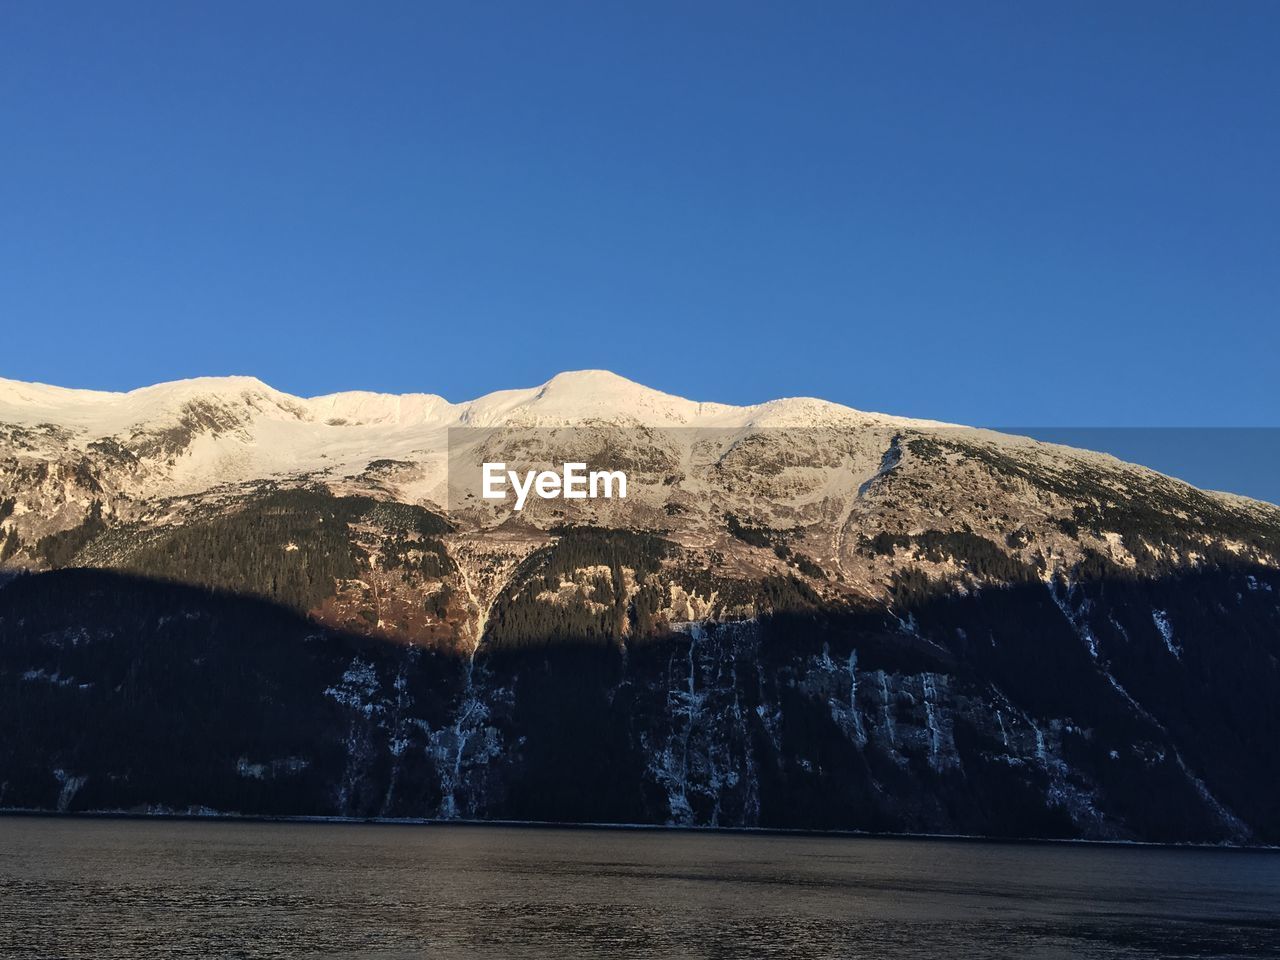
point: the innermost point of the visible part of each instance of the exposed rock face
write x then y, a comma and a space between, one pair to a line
801, 616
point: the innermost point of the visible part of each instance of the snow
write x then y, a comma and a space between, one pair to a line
1078, 619
358, 689
468, 745
44, 676
704, 761
241, 429
887, 705
1161, 620
269, 432
71, 785
930, 694
1228, 819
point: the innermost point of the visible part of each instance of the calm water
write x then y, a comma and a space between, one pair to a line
116, 888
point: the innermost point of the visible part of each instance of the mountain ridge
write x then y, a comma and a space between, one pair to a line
239, 427
594, 387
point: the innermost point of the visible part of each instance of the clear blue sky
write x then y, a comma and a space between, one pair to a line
984, 212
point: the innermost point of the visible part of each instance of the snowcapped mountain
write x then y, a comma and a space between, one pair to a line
192, 434
800, 615
569, 397
830, 476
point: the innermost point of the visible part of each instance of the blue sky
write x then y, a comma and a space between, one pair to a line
1056, 214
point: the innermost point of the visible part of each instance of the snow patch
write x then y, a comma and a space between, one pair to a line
1161, 619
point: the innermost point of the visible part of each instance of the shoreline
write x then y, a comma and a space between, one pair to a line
629, 827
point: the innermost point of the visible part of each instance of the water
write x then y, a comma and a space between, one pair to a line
169, 889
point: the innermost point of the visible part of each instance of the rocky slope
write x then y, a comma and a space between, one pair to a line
801, 616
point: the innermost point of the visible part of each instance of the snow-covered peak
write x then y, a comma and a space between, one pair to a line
105, 413
229, 386
812, 412
567, 398
16, 394
193, 435
585, 395
593, 380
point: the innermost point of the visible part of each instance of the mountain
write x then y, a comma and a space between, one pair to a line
234, 600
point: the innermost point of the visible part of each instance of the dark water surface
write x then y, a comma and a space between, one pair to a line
154, 889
